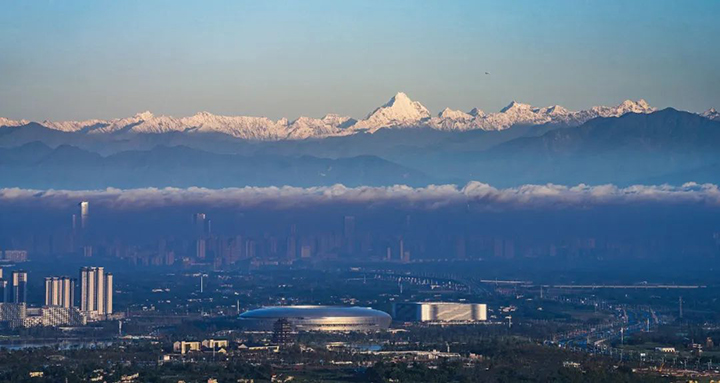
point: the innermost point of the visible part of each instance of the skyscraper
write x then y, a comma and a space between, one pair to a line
108, 293
50, 288
19, 279
4, 292
87, 289
96, 290
59, 291
200, 248
349, 234
84, 214
349, 226
100, 290
201, 224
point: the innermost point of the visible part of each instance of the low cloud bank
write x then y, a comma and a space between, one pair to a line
476, 194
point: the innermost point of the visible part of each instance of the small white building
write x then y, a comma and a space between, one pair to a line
184, 347
439, 312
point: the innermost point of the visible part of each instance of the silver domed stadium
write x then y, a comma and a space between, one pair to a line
317, 318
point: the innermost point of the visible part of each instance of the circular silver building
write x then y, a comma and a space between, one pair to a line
317, 318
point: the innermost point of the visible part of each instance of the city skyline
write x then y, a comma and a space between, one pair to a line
474, 191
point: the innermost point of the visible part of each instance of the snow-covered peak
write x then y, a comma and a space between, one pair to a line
555, 110
8, 122
402, 108
639, 106
73, 126
399, 111
143, 116
454, 114
338, 120
517, 113
477, 112
253, 128
627, 106
711, 114
398, 98
328, 126
204, 114
516, 107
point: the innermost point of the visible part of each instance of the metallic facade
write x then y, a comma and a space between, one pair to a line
439, 312
84, 214
317, 318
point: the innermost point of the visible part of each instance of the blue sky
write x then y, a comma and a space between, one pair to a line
102, 59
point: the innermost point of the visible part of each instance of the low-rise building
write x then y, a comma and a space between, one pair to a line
184, 347
215, 343
54, 316
16, 256
439, 312
416, 355
13, 314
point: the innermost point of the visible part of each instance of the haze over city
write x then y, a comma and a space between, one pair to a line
359, 191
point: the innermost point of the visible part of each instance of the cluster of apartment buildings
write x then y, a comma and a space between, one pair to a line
60, 309
15, 256
216, 345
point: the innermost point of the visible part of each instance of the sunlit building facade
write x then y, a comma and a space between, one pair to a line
59, 291
439, 312
317, 318
96, 290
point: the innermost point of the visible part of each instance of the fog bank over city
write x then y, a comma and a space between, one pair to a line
477, 194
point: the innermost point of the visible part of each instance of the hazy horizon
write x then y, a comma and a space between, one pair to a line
81, 60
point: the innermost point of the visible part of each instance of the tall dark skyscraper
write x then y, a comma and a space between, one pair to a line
19, 283
201, 231
349, 234
201, 224
349, 226
4, 292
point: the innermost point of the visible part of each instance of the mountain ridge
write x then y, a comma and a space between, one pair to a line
36, 165
663, 146
399, 112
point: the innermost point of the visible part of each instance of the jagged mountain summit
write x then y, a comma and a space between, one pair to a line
399, 112
711, 114
524, 114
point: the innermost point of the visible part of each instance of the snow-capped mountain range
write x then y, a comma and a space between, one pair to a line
399, 112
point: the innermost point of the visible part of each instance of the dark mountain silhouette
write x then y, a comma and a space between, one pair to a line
622, 150
36, 165
667, 146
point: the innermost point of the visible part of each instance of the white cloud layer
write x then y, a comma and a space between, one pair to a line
431, 197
